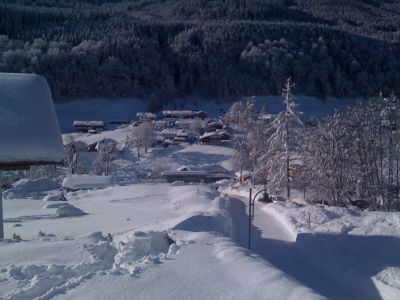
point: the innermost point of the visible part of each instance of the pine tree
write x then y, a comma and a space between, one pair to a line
285, 136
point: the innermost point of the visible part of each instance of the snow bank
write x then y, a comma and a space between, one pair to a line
50, 198
236, 190
388, 282
31, 187
260, 272
29, 128
85, 182
337, 220
68, 210
304, 218
55, 205
140, 249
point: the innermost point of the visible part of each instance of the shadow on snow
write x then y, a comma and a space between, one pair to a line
336, 266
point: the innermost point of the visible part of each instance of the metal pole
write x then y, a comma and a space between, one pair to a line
1, 211
249, 240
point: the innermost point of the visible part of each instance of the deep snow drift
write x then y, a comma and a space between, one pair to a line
197, 260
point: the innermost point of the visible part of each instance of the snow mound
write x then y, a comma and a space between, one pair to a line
68, 210
47, 281
390, 276
336, 220
52, 197
141, 249
205, 222
86, 182
56, 205
31, 188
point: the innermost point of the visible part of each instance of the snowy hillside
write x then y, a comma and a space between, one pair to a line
132, 235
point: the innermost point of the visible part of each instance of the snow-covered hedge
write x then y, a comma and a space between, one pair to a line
32, 187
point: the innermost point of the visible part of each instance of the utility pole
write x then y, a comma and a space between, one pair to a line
250, 219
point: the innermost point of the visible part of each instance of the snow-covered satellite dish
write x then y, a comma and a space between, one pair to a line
29, 130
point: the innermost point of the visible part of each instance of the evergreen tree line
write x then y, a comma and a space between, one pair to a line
109, 48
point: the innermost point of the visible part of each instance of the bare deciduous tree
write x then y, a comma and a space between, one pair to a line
142, 137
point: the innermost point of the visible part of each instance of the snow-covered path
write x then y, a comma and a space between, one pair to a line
272, 240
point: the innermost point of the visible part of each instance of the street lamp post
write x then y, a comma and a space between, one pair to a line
251, 211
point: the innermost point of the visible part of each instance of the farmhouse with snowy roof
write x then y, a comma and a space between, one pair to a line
85, 126
146, 116
214, 137
184, 114
29, 130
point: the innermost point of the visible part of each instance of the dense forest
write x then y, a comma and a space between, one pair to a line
223, 48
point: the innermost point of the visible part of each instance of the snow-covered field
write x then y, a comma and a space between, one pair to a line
138, 239
74, 259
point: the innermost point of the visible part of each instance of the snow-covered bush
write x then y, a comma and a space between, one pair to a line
68, 210
32, 187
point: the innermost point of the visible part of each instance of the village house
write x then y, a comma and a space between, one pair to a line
159, 125
184, 174
214, 137
181, 137
184, 114
29, 130
86, 126
213, 126
146, 116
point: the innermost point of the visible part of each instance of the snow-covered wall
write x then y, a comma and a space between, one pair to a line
29, 129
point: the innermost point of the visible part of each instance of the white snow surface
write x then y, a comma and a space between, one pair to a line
68, 210
74, 261
337, 220
29, 128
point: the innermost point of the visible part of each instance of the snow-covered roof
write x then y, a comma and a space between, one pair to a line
84, 182
29, 130
146, 115
89, 123
182, 113
106, 142
211, 134
182, 134
183, 168
184, 173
